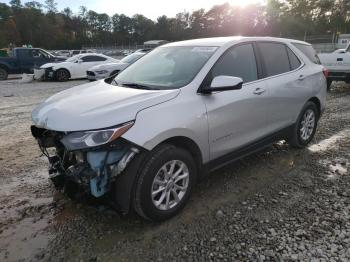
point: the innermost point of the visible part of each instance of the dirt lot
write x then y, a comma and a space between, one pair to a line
279, 204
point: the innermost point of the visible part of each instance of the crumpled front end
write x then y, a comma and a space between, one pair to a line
94, 168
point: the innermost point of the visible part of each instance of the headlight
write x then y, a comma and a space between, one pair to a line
102, 72
84, 139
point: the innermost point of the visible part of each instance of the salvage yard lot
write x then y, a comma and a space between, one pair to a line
280, 203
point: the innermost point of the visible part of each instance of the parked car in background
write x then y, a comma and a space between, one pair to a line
78, 52
127, 52
338, 65
24, 60
144, 50
111, 69
74, 67
183, 110
65, 53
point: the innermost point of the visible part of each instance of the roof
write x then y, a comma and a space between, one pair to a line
220, 41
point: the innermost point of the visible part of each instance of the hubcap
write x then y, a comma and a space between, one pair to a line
307, 124
170, 185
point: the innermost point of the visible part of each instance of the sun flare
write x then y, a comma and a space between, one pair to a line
245, 2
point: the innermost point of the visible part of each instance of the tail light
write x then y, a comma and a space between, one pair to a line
325, 72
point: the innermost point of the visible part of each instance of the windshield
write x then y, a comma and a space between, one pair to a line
47, 53
166, 67
131, 58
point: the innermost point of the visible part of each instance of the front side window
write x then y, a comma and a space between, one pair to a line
168, 67
238, 61
275, 58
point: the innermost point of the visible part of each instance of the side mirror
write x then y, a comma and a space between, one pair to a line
224, 83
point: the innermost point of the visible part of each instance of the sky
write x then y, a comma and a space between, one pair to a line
149, 8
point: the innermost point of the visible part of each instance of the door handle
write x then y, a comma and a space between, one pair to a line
339, 59
259, 91
301, 77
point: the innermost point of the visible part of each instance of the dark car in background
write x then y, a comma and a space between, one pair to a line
24, 60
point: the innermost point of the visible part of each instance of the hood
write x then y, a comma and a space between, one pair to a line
64, 63
96, 105
109, 66
47, 65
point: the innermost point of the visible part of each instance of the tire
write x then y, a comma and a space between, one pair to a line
3, 74
114, 73
161, 158
62, 75
300, 139
329, 83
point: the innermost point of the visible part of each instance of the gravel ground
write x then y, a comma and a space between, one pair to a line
278, 204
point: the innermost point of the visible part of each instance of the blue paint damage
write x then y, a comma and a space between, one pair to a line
99, 160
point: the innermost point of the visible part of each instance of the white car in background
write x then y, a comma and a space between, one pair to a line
75, 67
107, 70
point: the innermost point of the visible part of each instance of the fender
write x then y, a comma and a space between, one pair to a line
124, 184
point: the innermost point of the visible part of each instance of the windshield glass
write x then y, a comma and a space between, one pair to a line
47, 53
166, 67
131, 58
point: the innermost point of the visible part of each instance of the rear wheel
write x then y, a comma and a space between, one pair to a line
3, 74
305, 126
62, 75
165, 183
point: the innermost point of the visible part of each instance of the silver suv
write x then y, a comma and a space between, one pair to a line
185, 109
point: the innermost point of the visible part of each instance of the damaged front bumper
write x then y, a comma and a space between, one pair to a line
93, 169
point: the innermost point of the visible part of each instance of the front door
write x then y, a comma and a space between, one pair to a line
238, 117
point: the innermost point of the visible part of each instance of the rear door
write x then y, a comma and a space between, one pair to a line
236, 117
287, 84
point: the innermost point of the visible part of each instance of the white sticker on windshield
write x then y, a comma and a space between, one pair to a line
209, 49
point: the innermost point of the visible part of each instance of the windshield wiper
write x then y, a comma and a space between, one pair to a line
139, 86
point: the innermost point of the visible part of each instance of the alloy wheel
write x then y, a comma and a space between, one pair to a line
170, 185
307, 124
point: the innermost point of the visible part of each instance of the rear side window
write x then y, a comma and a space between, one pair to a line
238, 61
293, 59
93, 58
25, 53
309, 52
275, 58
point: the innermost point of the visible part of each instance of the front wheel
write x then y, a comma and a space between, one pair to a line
305, 127
62, 75
165, 183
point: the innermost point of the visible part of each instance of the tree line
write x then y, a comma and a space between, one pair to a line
42, 24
